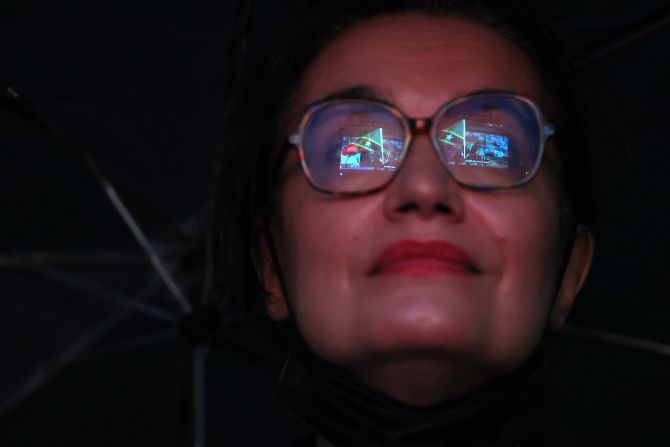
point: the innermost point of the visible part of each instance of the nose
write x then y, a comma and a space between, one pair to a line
423, 187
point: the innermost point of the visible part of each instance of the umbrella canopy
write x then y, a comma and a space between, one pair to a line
110, 119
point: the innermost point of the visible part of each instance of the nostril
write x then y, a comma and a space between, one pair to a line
411, 206
442, 208
438, 208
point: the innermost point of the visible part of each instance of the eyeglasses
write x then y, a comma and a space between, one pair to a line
485, 141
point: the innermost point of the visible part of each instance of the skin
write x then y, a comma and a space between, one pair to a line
422, 338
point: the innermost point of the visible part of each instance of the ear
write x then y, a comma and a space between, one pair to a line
575, 276
275, 301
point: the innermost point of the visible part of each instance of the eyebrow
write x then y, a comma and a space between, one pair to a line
491, 90
361, 91
364, 91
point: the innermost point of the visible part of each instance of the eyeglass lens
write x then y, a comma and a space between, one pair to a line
488, 142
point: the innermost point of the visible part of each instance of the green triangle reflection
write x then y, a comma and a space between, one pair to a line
454, 134
367, 140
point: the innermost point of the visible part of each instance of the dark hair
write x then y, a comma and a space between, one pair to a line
255, 146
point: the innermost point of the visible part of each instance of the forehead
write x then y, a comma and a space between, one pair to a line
419, 62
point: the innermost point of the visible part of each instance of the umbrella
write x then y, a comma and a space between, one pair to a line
108, 130
53, 286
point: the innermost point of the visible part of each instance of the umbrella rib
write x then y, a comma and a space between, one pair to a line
604, 47
116, 298
43, 374
198, 383
617, 339
111, 193
141, 238
20, 259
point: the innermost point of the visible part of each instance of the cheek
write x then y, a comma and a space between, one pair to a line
525, 226
319, 243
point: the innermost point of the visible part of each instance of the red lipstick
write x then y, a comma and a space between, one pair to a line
423, 258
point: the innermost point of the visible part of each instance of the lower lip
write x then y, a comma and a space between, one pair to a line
421, 267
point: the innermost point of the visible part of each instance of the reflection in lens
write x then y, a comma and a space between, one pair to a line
352, 147
371, 151
491, 141
472, 143
485, 141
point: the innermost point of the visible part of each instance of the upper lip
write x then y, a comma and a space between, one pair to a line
437, 249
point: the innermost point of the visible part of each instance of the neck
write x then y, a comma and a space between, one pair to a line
425, 380
345, 411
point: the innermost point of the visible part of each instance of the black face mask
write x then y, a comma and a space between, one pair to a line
346, 412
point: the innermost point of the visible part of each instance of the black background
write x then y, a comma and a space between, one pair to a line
141, 85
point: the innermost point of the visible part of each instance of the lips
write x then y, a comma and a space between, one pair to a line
423, 258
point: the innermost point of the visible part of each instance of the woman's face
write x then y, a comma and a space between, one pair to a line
395, 319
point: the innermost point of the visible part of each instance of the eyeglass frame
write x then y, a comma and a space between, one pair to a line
418, 126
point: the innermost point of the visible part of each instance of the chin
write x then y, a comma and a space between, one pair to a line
423, 332
425, 323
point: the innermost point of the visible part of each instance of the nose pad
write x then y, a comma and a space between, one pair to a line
422, 185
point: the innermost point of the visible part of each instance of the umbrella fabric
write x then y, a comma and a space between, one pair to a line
141, 86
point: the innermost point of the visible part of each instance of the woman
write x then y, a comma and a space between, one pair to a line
415, 208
